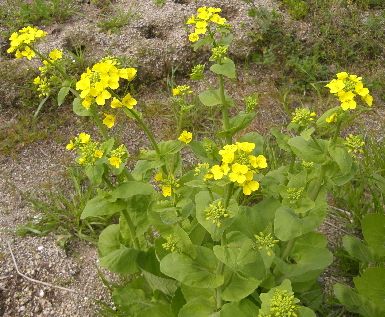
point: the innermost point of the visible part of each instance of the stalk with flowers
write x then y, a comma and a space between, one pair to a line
230, 236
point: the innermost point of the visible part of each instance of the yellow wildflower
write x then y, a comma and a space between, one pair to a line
129, 102
238, 173
84, 138
332, 118
115, 161
185, 137
166, 190
98, 153
116, 103
55, 54
335, 86
158, 176
109, 120
70, 146
249, 187
193, 37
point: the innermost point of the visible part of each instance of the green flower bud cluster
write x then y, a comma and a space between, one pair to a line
355, 144
306, 164
283, 304
303, 116
201, 168
218, 53
171, 243
294, 194
216, 212
265, 241
251, 102
197, 72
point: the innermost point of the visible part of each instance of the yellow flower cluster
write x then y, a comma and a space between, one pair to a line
202, 20
95, 86
181, 90
21, 41
89, 151
185, 137
282, 303
346, 87
303, 116
168, 184
117, 156
265, 241
216, 213
47, 73
355, 144
239, 165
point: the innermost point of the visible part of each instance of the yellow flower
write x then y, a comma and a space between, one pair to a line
70, 146
193, 37
368, 99
345, 96
335, 86
185, 137
115, 161
166, 190
158, 176
109, 120
245, 146
217, 172
129, 102
191, 20
55, 54
249, 187
342, 75
116, 103
349, 104
238, 173
84, 138
258, 161
361, 90
98, 153
127, 73
37, 80
332, 118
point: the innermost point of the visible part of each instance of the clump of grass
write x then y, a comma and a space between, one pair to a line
18, 13
60, 212
160, 3
298, 9
116, 22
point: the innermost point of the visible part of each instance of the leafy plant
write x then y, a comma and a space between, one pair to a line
115, 22
367, 297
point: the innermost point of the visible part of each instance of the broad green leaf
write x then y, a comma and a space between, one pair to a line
189, 293
170, 147
109, 240
357, 249
227, 68
309, 256
212, 97
132, 188
62, 94
373, 229
288, 225
95, 173
240, 256
78, 108
281, 139
102, 206
239, 122
306, 312
121, 261
371, 284
306, 134
165, 285
199, 272
309, 150
198, 307
244, 308
238, 287
143, 168
343, 159
355, 302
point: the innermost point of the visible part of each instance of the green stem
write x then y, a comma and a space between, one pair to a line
288, 248
229, 192
99, 123
225, 109
218, 290
43, 57
131, 228
337, 132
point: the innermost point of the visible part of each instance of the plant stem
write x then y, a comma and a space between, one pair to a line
59, 69
218, 290
131, 228
229, 192
337, 132
99, 123
225, 109
288, 248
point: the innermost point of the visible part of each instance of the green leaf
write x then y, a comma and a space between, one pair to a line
373, 229
142, 169
357, 249
306, 134
288, 225
62, 94
95, 173
305, 312
281, 139
132, 188
109, 240
212, 97
309, 257
371, 284
121, 261
238, 287
78, 108
240, 256
170, 147
343, 159
244, 308
308, 150
198, 272
165, 285
227, 68
355, 302
198, 307
102, 206
239, 122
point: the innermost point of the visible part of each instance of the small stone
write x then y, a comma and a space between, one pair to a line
40, 248
41, 293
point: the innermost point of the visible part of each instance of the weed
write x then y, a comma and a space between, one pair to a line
116, 22
298, 9
160, 3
